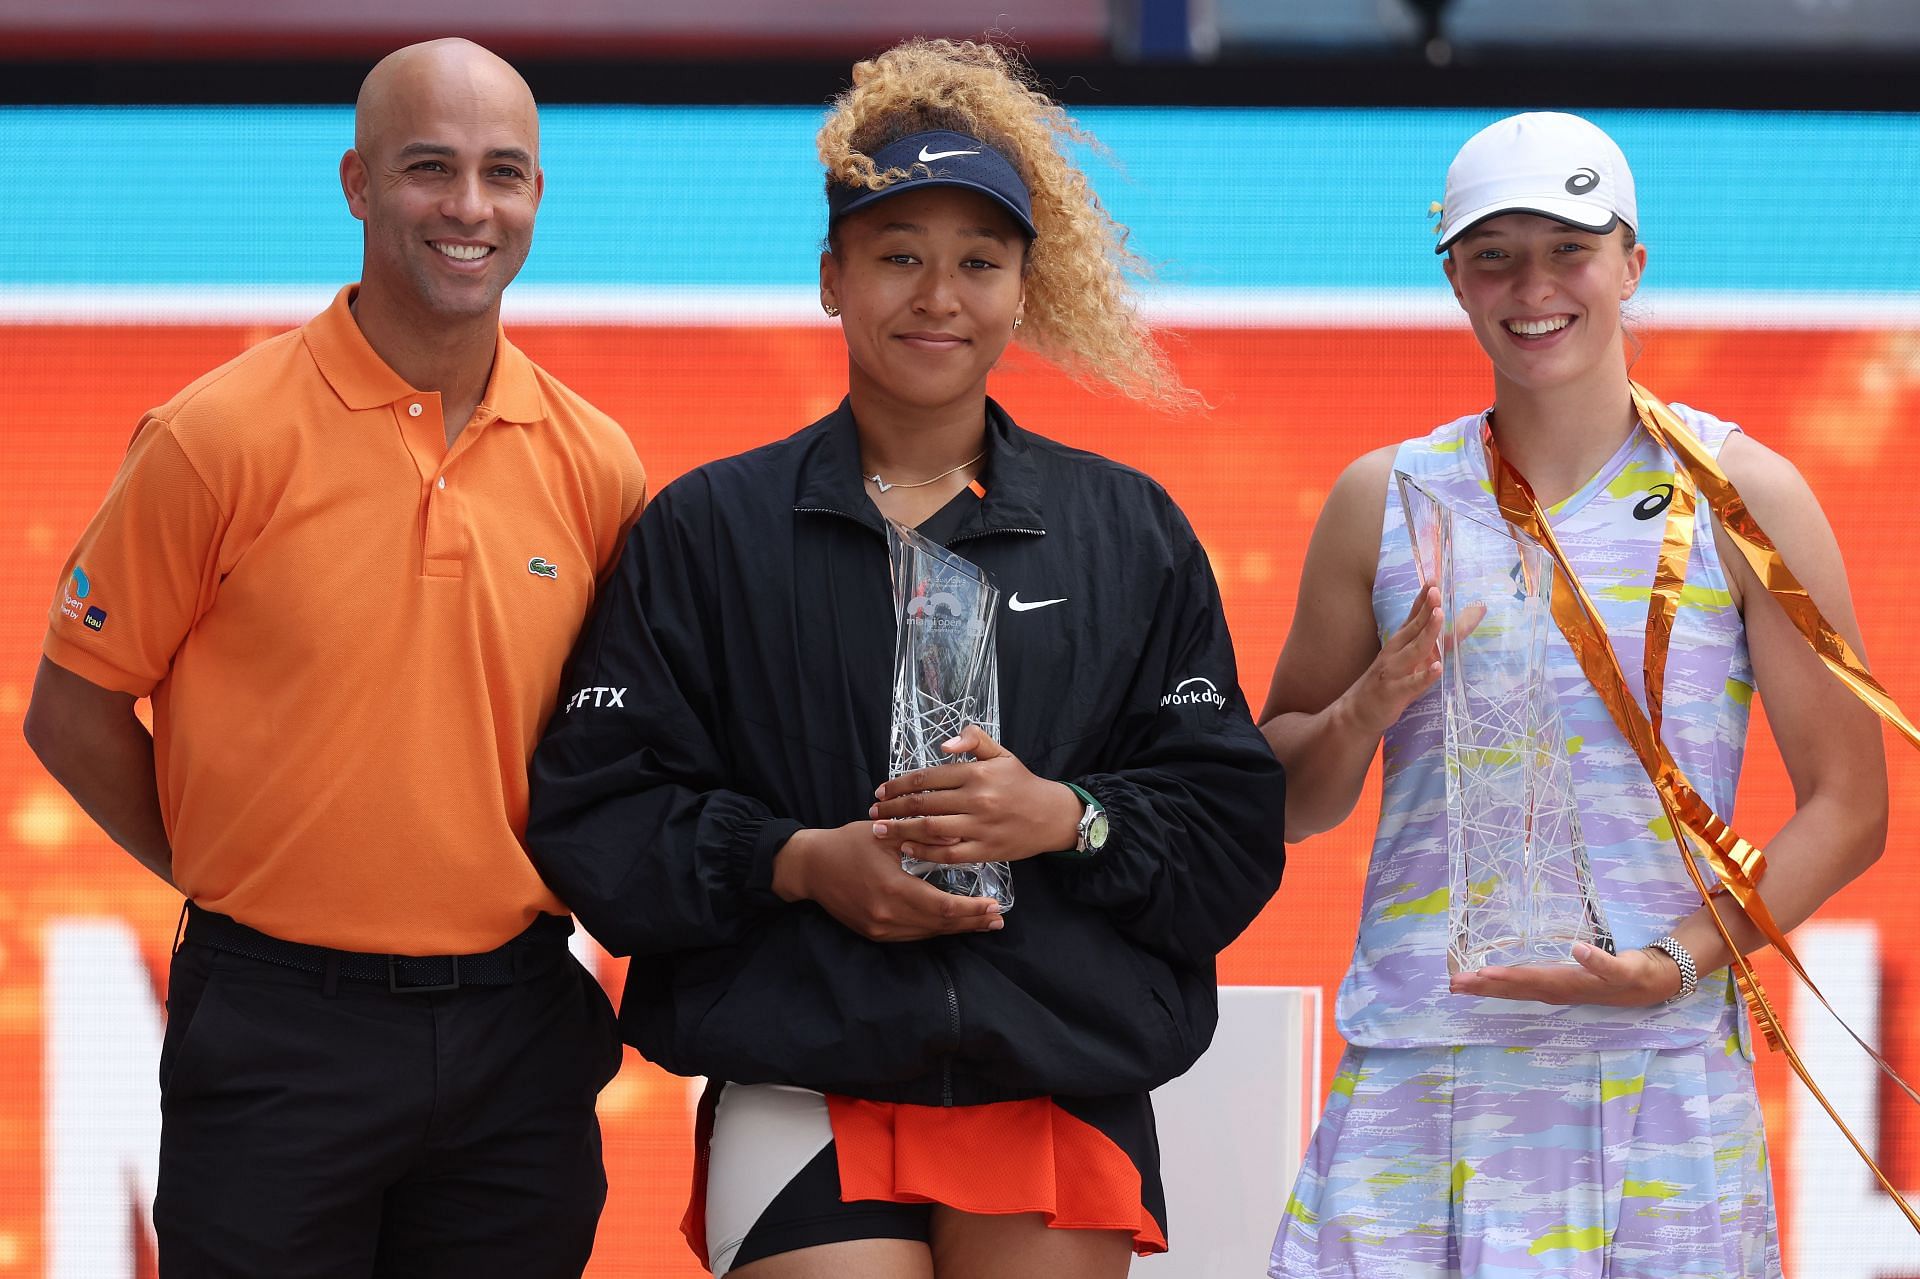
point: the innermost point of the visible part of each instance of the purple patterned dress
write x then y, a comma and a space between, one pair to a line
1490, 1138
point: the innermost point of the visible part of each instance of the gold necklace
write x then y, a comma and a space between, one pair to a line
883, 486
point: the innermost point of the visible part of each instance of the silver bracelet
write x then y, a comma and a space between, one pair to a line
1680, 955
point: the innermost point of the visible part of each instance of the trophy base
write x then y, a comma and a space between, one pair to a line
1516, 952
969, 879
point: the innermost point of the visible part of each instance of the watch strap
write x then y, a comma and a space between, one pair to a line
1080, 851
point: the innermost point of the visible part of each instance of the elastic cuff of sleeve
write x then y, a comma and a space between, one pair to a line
772, 837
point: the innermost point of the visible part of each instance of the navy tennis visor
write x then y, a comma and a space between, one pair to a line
939, 158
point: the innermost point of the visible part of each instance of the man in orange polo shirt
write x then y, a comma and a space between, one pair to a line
347, 567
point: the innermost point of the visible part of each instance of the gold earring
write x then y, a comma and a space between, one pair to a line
830, 309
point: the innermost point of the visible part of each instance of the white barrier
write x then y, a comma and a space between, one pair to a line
103, 1029
1844, 1225
1233, 1130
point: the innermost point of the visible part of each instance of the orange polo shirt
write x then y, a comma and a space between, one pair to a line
352, 634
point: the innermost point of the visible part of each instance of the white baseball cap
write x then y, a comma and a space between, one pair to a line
1546, 162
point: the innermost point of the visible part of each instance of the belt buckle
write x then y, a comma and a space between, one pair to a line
395, 985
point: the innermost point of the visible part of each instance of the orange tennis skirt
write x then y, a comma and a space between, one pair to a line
1081, 1163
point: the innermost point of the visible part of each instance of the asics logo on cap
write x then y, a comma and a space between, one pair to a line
928, 157
1582, 181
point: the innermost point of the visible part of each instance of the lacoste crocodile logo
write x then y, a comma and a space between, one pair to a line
542, 568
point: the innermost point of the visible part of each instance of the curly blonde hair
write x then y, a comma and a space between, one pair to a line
1080, 310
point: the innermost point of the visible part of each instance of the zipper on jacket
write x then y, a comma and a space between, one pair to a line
831, 510
989, 532
953, 1028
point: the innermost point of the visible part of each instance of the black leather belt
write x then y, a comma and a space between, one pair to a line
532, 952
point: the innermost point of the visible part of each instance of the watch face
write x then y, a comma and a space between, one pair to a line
1097, 831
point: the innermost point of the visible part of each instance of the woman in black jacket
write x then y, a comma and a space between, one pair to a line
908, 1082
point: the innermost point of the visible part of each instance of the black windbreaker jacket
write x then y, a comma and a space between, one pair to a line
735, 685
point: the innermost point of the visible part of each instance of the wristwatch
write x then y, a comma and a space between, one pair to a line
1091, 835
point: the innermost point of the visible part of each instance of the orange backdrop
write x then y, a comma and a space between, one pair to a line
1289, 408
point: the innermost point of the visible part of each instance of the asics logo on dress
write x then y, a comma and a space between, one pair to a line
1658, 498
1019, 605
599, 695
928, 157
1197, 691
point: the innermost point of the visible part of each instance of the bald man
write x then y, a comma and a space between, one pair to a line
347, 568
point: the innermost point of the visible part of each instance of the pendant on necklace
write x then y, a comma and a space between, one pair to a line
878, 483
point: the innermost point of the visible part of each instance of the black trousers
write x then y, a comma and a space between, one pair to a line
358, 1131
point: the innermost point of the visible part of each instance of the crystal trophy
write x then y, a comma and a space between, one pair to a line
1519, 883
946, 675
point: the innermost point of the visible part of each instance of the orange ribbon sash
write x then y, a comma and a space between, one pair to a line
1738, 864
